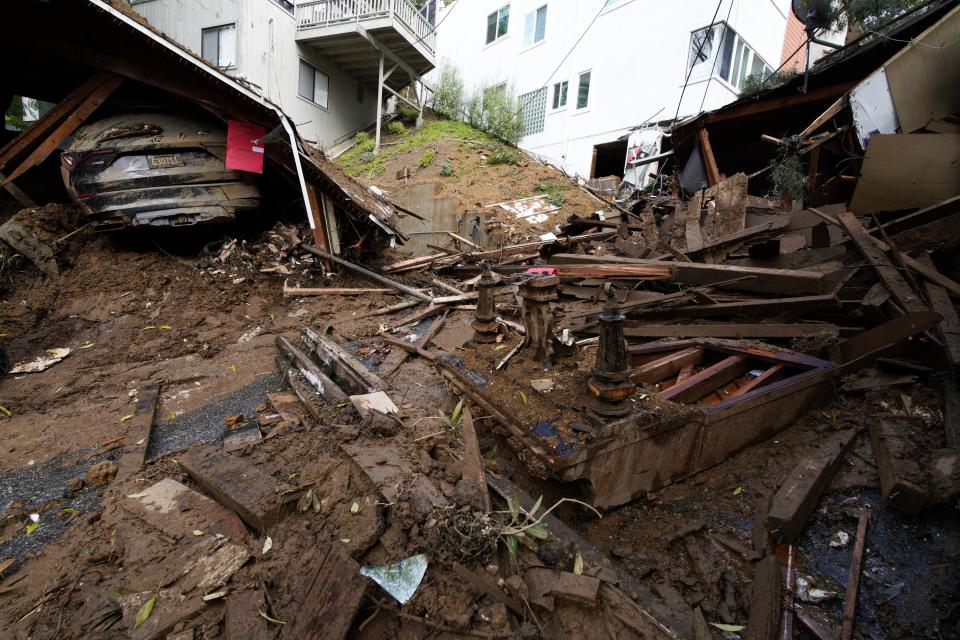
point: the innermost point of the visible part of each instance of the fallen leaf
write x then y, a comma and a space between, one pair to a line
233, 369
138, 495
166, 327
355, 507
267, 545
149, 327
70, 511
345, 540
499, 346
293, 476
5, 411
269, 619
523, 396
141, 440
738, 491
145, 611
578, 565
728, 627
171, 415
197, 532
127, 417
86, 345
32, 527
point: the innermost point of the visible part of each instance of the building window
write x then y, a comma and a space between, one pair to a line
497, 23
535, 26
560, 94
583, 90
533, 107
720, 51
313, 85
219, 45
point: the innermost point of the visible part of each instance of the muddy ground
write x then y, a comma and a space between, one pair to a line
202, 318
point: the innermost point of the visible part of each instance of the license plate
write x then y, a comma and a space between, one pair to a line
165, 161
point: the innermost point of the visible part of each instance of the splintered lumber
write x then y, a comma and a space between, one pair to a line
321, 383
370, 274
415, 263
194, 512
923, 216
309, 291
949, 327
473, 471
801, 491
669, 365
895, 283
902, 481
358, 377
736, 331
779, 281
764, 617
709, 161
853, 580
139, 431
70, 124
247, 489
739, 237
822, 119
692, 234
710, 379
400, 306
864, 348
327, 594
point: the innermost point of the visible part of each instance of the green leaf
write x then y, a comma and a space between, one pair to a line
32, 527
728, 627
578, 565
512, 545
738, 491
514, 508
536, 505
523, 396
70, 511
455, 416
145, 611
269, 619
538, 531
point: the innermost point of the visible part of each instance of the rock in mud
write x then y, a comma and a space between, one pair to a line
101, 473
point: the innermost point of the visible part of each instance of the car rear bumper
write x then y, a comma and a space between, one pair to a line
177, 205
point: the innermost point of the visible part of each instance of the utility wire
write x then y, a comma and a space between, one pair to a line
713, 22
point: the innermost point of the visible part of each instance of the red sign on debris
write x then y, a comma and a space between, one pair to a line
244, 149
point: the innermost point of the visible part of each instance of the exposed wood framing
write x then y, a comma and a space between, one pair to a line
709, 161
710, 379
822, 119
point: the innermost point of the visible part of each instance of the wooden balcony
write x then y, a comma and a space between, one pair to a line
352, 33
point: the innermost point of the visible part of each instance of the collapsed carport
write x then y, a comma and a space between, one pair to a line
78, 53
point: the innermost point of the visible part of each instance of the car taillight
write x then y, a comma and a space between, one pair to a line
84, 196
69, 160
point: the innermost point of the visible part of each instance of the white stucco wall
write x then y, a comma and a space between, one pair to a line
636, 51
268, 56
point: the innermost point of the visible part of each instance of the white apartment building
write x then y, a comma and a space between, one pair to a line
326, 63
587, 71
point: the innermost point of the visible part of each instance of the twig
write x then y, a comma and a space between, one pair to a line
853, 581
512, 531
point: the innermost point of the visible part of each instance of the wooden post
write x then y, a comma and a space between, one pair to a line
376, 146
709, 162
853, 580
319, 225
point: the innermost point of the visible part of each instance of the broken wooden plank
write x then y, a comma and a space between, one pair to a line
765, 589
543, 582
343, 363
692, 234
669, 365
333, 291
709, 161
70, 124
711, 378
737, 331
949, 327
18, 236
416, 293
138, 434
758, 307
178, 511
923, 216
170, 608
902, 481
248, 490
473, 471
241, 618
328, 595
485, 583
853, 579
822, 119
766, 377
321, 383
864, 348
895, 283
799, 494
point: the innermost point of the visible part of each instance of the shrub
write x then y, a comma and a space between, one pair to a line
408, 116
447, 101
474, 110
501, 116
368, 156
426, 158
554, 196
446, 168
503, 156
364, 141
396, 128
755, 83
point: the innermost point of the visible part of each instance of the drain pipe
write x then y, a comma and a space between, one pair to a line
814, 39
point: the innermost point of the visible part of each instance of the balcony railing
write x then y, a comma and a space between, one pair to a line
322, 13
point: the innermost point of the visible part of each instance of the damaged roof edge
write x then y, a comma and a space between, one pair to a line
380, 210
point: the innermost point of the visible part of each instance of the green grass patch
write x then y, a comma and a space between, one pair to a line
552, 191
356, 163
